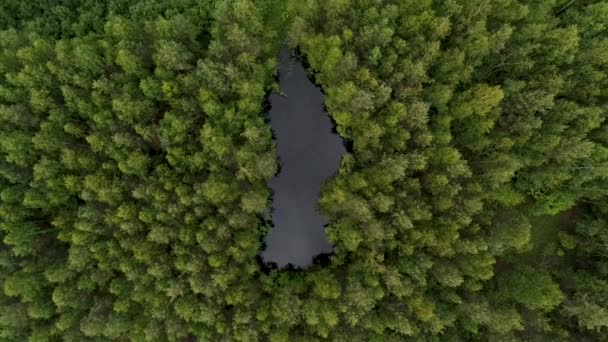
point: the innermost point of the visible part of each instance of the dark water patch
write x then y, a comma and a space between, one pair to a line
309, 151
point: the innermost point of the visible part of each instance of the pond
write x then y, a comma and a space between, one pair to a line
309, 151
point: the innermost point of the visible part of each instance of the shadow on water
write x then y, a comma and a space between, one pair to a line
309, 151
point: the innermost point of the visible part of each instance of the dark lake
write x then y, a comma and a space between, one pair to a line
309, 153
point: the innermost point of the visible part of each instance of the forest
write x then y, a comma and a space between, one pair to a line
135, 154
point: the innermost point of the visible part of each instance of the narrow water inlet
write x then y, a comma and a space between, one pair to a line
309, 152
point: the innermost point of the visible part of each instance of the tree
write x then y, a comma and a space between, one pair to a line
533, 288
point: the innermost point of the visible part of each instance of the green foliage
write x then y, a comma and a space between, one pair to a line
532, 288
108, 189
134, 157
477, 102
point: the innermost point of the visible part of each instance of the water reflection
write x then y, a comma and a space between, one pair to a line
309, 153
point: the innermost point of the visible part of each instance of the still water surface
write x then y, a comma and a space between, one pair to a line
309, 153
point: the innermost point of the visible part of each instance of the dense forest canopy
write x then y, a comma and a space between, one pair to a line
135, 154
